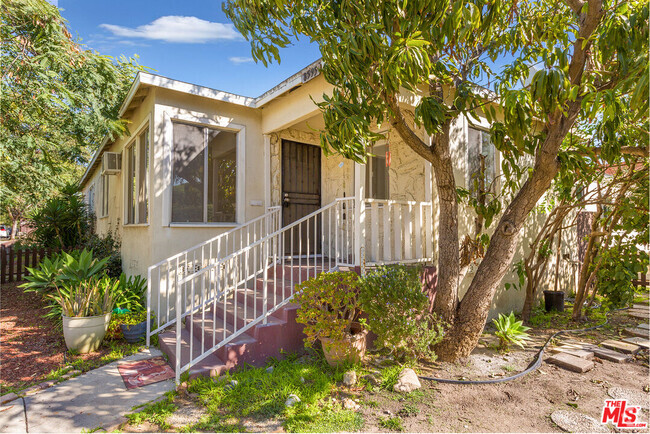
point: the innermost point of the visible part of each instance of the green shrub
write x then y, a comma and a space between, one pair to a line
90, 297
510, 331
133, 293
107, 246
329, 306
63, 221
63, 270
398, 312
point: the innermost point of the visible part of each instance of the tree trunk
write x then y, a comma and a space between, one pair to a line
462, 337
448, 251
14, 228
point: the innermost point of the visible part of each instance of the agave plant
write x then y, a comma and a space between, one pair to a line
510, 331
91, 297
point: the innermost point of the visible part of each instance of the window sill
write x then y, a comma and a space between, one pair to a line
203, 225
136, 225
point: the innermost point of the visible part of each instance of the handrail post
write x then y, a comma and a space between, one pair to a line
149, 306
358, 212
265, 282
178, 333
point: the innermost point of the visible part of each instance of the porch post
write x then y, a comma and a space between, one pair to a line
267, 172
359, 211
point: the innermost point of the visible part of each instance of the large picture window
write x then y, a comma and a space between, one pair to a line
204, 174
137, 168
377, 173
481, 153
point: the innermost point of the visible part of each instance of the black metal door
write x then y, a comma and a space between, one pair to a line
301, 194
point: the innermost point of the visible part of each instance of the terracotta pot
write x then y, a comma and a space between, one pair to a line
85, 334
351, 349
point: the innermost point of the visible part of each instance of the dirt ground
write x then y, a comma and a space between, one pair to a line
30, 345
521, 405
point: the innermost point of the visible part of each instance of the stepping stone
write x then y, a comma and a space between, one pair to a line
577, 352
571, 363
642, 333
644, 325
610, 355
641, 306
640, 315
634, 398
623, 347
642, 342
571, 421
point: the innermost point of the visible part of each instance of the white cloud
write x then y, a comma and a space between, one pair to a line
173, 28
238, 60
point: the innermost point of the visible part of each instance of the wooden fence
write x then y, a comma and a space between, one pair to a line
14, 262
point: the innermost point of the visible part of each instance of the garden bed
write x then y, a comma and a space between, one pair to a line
32, 347
256, 401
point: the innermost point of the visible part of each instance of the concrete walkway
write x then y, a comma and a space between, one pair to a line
95, 399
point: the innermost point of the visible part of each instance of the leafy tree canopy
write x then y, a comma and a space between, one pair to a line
58, 101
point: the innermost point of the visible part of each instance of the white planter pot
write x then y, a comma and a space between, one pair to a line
85, 334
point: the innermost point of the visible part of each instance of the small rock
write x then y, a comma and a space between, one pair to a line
269, 370
371, 379
634, 398
571, 421
407, 381
8, 397
388, 412
350, 378
302, 379
292, 400
231, 385
349, 404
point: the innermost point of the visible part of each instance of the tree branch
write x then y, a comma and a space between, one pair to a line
398, 122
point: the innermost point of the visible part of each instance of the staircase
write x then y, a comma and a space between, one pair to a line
279, 334
228, 301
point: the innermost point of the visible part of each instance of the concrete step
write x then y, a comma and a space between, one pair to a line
638, 332
611, 355
576, 352
211, 366
642, 342
623, 347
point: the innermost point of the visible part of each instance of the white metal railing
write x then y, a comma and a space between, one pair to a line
397, 231
164, 277
245, 287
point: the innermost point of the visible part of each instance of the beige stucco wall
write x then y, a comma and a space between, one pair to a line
410, 177
136, 239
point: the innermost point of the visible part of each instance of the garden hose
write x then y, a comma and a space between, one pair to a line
536, 363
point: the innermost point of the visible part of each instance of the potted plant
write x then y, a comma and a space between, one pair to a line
329, 309
86, 308
134, 326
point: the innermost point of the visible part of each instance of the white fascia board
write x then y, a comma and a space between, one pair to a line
193, 89
303, 76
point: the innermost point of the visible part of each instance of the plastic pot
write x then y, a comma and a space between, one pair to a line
85, 334
134, 333
554, 300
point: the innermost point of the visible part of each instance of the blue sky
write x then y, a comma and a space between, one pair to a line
191, 41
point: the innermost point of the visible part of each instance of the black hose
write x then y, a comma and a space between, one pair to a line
536, 363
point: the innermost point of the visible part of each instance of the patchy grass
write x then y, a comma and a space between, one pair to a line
155, 412
562, 320
392, 423
260, 394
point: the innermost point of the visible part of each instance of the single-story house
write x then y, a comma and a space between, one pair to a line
213, 191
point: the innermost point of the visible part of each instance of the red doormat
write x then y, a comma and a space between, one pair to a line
143, 372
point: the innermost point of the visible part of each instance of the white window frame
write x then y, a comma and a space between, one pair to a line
135, 143
221, 123
103, 196
497, 158
369, 173
91, 197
